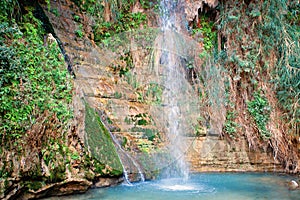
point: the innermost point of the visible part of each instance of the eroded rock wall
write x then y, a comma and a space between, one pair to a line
192, 7
213, 154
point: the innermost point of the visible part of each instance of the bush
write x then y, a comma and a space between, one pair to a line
260, 110
33, 80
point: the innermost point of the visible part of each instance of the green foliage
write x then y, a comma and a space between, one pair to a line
55, 12
145, 145
9, 10
210, 35
230, 126
128, 120
141, 119
207, 33
153, 93
243, 56
150, 134
48, 4
125, 22
121, 19
260, 110
56, 157
99, 167
124, 69
75, 156
76, 18
117, 95
146, 4
35, 93
287, 71
33, 78
131, 79
57, 173
279, 33
34, 185
263, 46
124, 142
91, 7
79, 33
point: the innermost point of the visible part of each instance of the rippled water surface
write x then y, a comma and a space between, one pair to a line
212, 186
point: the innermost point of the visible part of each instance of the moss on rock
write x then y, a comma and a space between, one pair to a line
100, 145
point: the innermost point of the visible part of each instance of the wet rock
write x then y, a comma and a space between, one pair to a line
50, 39
213, 133
69, 186
105, 182
293, 185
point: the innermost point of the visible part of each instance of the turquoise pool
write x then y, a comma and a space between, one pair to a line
212, 186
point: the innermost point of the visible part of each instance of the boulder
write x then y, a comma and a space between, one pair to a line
67, 187
293, 185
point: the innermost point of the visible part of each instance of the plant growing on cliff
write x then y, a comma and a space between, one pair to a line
260, 110
264, 43
31, 72
260, 49
35, 93
230, 126
78, 32
124, 22
153, 93
285, 43
208, 36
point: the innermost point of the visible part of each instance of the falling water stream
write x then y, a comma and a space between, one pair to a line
137, 166
174, 93
130, 158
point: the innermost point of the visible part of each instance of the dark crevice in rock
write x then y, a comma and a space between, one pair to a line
40, 14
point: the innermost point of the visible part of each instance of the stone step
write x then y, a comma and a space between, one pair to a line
137, 135
132, 128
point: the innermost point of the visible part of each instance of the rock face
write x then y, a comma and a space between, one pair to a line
213, 154
192, 7
76, 165
69, 186
105, 182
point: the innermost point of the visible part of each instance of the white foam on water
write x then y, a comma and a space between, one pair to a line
178, 187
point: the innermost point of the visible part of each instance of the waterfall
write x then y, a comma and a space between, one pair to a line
168, 14
175, 92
